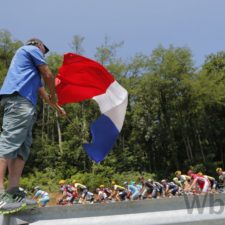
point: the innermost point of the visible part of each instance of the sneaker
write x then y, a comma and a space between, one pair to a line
8, 205
20, 195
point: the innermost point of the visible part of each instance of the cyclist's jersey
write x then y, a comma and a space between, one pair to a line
80, 186
171, 185
67, 188
41, 194
212, 179
107, 191
177, 181
132, 189
201, 180
157, 185
148, 185
222, 176
102, 195
139, 186
183, 178
118, 187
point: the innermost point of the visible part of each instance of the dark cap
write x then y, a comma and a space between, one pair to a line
34, 41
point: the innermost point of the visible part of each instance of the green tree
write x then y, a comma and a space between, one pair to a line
7, 49
76, 44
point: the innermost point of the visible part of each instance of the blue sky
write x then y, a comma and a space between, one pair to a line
142, 24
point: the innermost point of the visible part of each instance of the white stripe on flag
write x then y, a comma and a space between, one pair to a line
114, 96
117, 114
113, 103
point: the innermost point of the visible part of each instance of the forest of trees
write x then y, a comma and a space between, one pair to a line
175, 117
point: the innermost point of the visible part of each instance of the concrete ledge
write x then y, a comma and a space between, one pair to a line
215, 203
173, 217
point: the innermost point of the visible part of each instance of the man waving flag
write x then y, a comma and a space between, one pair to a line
79, 79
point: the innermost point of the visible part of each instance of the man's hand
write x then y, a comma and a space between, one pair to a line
52, 99
60, 110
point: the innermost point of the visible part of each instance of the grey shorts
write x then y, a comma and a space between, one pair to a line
18, 120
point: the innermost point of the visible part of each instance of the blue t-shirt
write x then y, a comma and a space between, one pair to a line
23, 75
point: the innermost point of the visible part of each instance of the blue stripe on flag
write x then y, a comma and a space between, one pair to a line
104, 135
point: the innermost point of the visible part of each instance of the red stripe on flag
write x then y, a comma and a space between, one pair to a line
80, 78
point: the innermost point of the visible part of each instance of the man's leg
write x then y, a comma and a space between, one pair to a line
3, 166
7, 202
15, 169
17, 120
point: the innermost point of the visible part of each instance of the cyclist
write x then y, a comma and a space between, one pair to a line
202, 182
68, 193
41, 196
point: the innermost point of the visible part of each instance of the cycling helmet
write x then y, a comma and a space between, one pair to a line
37, 188
218, 170
62, 182
178, 173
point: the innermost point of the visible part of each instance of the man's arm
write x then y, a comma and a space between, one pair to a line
49, 81
193, 183
44, 95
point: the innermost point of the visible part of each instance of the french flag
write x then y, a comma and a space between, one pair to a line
79, 79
